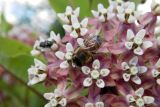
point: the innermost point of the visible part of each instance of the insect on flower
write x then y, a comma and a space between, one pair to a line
44, 45
84, 53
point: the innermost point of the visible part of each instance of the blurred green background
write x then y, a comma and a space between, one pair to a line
21, 23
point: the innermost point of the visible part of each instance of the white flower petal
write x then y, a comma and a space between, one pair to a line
110, 16
32, 70
67, 28
74, 34
130, 34
76, 11
42, 77
75, 22
68, 10
126, 77
83, 31
158, 81
120, 9
64, 65
131, 19
142, 69
148, 99
60, 55
101, 18
40, 65
155, 73
100, 7
121, 17
130, 98
138, 51
63, 17
37, 78
85, 70
134, 61
125, 66
57, 37
80, 42
129, 45
104, 72
53, 103
99, 104
37, 43
87, 82
141, 33
47, 105
133, 70
138, 40
100, 83
95, 74
35, 52
89, 105
132, 6
136, 80
69, 47
140, 102
139, 92
137, 14
96, 64
103, 11
147, 44
95, 13
48, 96
158, 63
63, 102
84, 22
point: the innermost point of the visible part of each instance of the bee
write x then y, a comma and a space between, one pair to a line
46, 44
85, 55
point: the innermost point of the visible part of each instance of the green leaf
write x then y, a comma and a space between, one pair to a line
19, 96
12, 48
57, 28
15, 57
59, 5
137, 1
94, 3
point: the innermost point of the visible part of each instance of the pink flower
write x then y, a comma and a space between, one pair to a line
95, 74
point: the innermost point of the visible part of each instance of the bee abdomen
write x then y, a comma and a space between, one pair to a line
81, 58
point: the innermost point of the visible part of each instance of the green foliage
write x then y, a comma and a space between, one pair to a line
85, 5
5, 27
16, 59
57, 28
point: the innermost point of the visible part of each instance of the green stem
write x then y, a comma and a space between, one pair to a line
24, 83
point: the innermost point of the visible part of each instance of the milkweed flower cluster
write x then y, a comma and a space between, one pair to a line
109, 60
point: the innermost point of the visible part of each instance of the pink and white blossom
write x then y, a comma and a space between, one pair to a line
96, 73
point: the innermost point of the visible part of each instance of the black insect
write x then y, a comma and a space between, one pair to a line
46, 44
